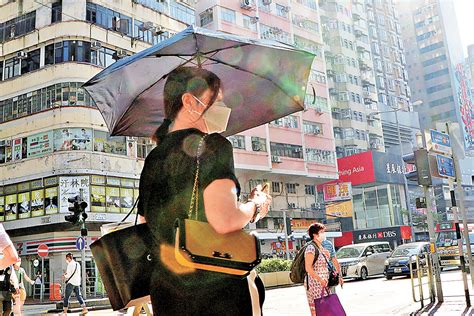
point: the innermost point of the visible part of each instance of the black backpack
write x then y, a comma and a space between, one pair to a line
297, 270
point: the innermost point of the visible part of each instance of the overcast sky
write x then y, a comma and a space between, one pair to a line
465, 17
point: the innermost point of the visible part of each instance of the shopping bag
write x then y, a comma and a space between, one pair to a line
329, 306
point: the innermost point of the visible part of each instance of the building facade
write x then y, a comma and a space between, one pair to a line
54, 144
297, 152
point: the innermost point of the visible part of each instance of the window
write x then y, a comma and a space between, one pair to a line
305, 23
108, 18
433, 61
276, 187
144, 147
435, 74
431, 47
238, 141
443, 86
1, 73
12, 68
32, 62
282, 11
56, 12
206, 17
249, 23
320, 156
286, 150
291, 188
308, 3
312, 128
309, 190
17, 26
259, 144
228, 15
289, 121
441, 101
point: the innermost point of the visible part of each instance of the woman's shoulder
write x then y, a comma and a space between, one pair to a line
310, 249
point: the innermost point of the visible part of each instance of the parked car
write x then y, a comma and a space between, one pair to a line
363, 260
398, 262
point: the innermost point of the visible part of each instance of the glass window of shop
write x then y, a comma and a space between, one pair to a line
378, 206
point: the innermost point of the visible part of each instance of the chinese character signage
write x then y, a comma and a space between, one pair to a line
340, 209
439, 142
73, 188
445, 166
40, 144
389, 234
337, 191
466, 108
389, 168
301, 224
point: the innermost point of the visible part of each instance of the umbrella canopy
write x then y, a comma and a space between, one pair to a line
262, 80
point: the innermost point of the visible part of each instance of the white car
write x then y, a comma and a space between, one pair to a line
363, 260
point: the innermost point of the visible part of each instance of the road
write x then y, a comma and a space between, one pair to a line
375, 296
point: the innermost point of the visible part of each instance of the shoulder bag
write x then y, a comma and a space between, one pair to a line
333, 275
199, 246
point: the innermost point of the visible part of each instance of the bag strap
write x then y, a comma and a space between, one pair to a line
327, 262
72, 274
194, 204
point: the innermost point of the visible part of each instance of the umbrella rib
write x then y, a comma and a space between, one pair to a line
244, 70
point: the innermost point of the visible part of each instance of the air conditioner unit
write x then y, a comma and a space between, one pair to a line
21, 54
120, 25
146, 26
96, 45
121, 53
267, 2
286, 9
316, 132
276, 159
158, 30
246, 4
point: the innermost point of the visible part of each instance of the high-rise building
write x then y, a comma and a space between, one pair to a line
54, 144
294, 153
399, 122
350, 71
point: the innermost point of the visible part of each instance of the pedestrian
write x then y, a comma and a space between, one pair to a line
8, 288
72, 279
332, 262
8, 254
22, 277
316, 267
194, 109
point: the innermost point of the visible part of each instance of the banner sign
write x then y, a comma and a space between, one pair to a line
337, 191
466, 108
340, 209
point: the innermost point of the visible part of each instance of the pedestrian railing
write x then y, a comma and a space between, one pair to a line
421, 276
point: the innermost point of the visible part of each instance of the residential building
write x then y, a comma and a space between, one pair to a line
294, 153
54, 144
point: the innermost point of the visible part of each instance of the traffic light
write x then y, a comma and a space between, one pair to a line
78, 211
288, 226
422, 161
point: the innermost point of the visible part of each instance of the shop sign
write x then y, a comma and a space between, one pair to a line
50, 181
73, 188
301, 224
333, 227
24, 186
337, 191
339, 209
389, 168
357, 169
36, 184
113, 181
369, 235
95, 179
40, 144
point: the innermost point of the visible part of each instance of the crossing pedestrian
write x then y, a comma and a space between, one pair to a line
72, 279
22, 277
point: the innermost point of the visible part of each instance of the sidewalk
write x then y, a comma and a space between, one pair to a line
454, 298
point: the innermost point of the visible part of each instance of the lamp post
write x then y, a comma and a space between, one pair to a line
405, 182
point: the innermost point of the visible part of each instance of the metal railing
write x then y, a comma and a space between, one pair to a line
421, 269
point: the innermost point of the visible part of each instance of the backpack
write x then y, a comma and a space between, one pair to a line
298, 270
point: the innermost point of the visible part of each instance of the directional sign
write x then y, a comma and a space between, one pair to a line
36, 263
43, 250
439, 142
80, 243
445, 166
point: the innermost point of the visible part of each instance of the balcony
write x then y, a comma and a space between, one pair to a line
363, 65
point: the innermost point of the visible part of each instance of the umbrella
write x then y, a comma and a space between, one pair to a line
262, 80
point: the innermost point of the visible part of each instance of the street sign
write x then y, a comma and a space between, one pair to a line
43, 250
439, 142
36, 262
80, 243
445, 166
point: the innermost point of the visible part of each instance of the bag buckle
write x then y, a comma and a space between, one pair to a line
224, 255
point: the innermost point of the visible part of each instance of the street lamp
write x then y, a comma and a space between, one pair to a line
405, 182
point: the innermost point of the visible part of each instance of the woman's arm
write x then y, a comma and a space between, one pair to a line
27, 278
224, 213
10, 256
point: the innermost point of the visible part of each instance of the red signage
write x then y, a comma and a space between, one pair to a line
43, 250
357, 169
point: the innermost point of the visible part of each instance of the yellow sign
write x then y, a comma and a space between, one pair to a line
302, 224
341, 209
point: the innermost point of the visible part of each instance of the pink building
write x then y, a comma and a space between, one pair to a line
294, 153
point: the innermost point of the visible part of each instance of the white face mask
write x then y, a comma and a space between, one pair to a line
216, 117
322, 236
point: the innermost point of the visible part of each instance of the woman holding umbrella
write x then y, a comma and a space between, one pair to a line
193, 110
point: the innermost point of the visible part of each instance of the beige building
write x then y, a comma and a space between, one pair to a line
54, 144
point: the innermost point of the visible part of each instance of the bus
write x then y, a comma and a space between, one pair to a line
447, 243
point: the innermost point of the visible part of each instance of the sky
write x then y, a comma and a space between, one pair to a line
464, 14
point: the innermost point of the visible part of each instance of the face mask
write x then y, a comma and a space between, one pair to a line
322, 237
216, 116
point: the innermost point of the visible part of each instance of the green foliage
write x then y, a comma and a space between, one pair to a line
274, 265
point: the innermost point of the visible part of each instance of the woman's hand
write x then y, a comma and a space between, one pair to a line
259, 197
324, 283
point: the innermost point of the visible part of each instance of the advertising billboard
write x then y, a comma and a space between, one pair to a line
337, 191
339, 209
465, 107
40, 144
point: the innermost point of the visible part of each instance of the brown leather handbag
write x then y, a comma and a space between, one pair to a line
199, 246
